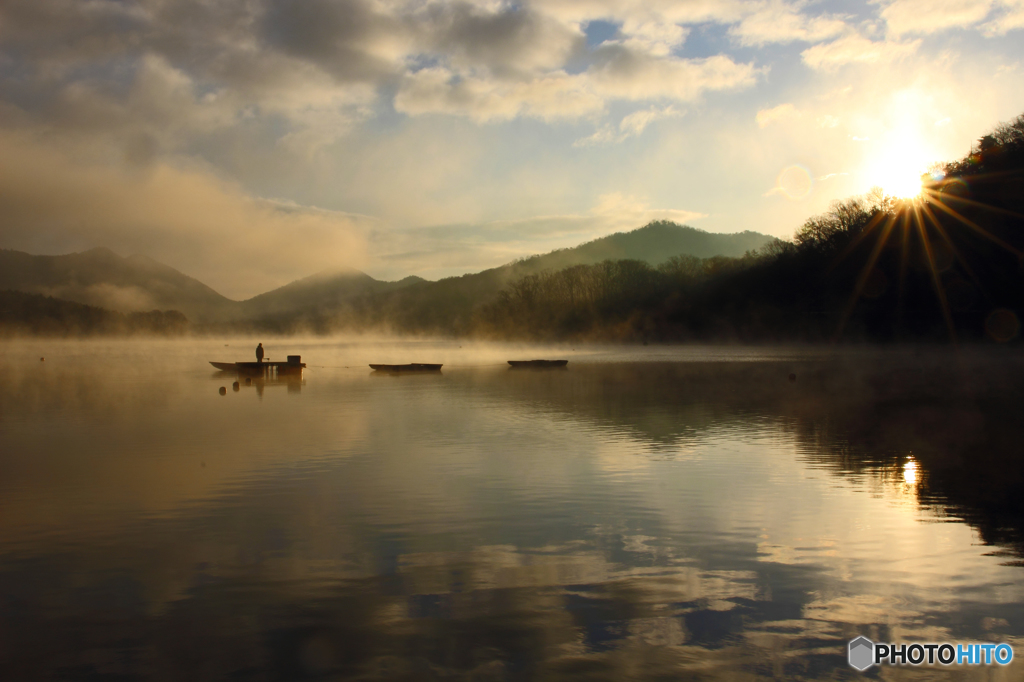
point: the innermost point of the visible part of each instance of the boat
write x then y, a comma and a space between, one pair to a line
413, 367
537, 364
225, 366
294, 365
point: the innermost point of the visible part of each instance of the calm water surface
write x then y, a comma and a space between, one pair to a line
648, 513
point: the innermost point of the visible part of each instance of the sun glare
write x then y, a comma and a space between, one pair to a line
898, 167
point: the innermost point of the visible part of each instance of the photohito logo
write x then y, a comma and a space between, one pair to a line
862, 653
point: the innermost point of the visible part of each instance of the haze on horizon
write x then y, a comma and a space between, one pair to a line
249, 143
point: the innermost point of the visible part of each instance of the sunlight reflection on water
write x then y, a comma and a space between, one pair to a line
647, 512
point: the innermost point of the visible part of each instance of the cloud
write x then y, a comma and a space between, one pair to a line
1009, 17
635, 123
630, 126
440, 91
929, 16
908, 17
352, 40
781, 22
660, 11
855, 49
500, 39
623, 210
623, 74
782, 112
184, 216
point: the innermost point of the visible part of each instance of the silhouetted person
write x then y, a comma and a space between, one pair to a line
259, 353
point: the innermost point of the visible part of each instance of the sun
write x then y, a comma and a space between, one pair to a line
897, 166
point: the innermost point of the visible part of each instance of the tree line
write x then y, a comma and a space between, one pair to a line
38, 315
944, 266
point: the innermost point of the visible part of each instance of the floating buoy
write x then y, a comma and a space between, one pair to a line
42, 359
234, 387
223, 390
248, 381
792, 377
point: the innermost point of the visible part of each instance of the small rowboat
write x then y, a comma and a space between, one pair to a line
537, 364
225, 366
413, 367
293, 366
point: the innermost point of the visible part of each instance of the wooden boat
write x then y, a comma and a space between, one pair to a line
293, 366
225, 366
413, 367
537, 364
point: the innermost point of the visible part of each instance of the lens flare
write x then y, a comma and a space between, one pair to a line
794, 182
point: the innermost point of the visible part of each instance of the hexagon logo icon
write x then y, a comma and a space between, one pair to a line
861, 653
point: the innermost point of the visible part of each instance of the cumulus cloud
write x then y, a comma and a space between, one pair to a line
631, 125
635, 123
311, 69
1009, 17
855, 49
661, 11
782, 112
498, 39
622, 74
781, 22
929, 16
553, 96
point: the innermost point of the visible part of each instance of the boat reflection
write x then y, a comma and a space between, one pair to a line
293, 382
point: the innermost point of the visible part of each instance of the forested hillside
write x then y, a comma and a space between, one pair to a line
944, 266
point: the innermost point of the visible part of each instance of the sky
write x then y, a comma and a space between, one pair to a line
249, 143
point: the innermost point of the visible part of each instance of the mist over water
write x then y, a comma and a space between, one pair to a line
647, 513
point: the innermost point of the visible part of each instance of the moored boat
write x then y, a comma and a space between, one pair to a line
413, 367
293, 366
537, 364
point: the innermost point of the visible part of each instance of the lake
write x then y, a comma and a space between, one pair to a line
646, 513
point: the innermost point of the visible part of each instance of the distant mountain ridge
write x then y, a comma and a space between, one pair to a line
128, 284
321, 289
99, 277
450, 303
654, 243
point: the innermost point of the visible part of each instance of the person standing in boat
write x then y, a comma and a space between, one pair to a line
259, 353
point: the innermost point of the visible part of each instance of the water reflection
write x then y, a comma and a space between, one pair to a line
292, 382
910, 473
613, 521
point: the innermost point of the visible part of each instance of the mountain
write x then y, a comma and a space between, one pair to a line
101, 278
325, 289
448, 305
655, 243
